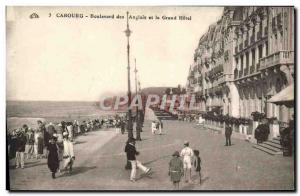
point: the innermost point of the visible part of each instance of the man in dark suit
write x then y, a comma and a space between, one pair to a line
131, 153
228, 132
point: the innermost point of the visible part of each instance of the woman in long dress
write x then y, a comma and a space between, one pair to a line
53, 162
60, 145
38, 144
68, 155
176, 169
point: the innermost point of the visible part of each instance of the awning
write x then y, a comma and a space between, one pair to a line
284, 97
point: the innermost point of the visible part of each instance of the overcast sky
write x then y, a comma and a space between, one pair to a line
52, 58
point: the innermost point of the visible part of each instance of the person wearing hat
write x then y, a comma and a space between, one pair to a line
187, 153
131, 153
51, 129
52, 159
20, 148
43, 139
68, 154
176, 169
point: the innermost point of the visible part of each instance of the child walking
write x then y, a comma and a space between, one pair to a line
176, 169
197, 163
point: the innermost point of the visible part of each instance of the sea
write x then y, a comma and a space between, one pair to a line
28, 112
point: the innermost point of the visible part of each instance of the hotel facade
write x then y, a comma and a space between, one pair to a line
242, 61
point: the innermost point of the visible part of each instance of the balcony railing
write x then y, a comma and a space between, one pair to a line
281, 57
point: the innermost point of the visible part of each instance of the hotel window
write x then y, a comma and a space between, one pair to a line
253, 56
247, 59
267, 48
237, 63
260, 26
242, 62
260, 51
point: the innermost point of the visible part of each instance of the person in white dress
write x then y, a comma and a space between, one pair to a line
153, 127
187, 154
68, 154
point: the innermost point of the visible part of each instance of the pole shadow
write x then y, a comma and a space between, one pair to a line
157, 159
78, 170
79, 142
145, 176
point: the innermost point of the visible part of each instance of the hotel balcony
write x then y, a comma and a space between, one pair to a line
281, 57
225, 78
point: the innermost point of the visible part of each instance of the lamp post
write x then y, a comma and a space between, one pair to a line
129, 124
137, 117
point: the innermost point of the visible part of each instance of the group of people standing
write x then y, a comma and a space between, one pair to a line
54, 144
181, 165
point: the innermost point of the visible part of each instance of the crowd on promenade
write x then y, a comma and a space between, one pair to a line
54, 141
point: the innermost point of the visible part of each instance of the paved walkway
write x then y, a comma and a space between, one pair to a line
100, 163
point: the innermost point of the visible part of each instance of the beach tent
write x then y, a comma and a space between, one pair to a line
284, 97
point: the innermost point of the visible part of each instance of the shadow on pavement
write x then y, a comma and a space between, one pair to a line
188, 186
34, 165
78, 170
204, 179
80, 142
157, 159
145, 175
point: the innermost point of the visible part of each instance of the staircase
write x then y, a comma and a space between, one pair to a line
272, 147
163, 115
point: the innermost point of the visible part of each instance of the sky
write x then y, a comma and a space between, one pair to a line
73, 59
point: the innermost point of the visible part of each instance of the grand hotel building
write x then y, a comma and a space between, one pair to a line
244, 59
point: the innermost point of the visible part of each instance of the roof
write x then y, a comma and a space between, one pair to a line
285, 96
